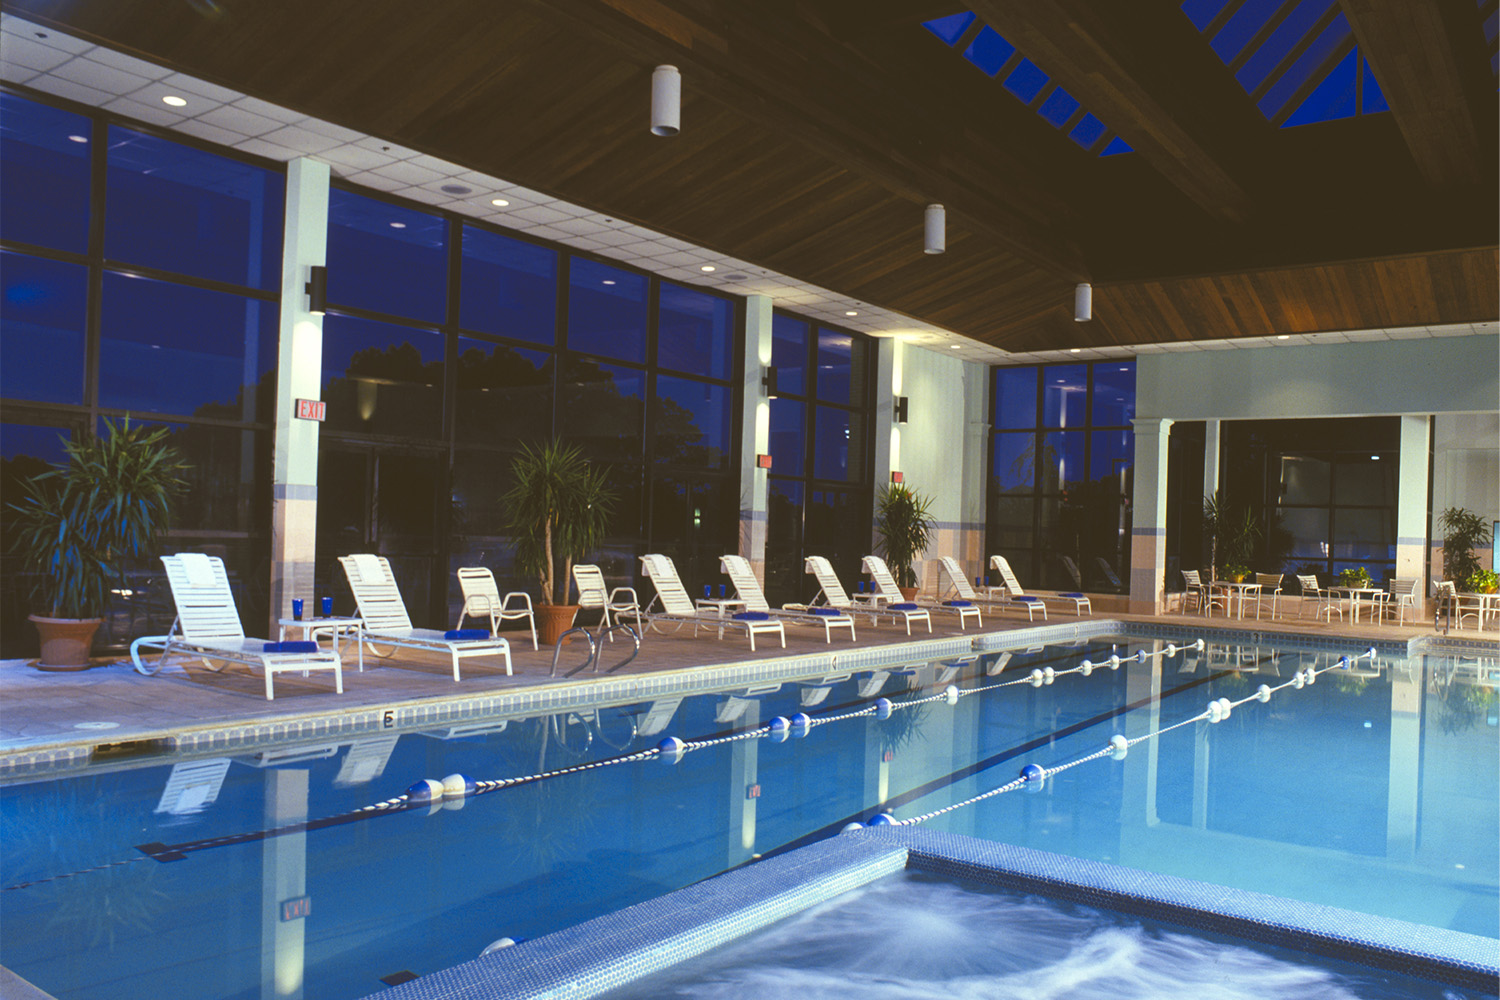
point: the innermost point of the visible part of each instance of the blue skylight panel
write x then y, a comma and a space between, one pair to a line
1058, 107
1202, 12
1116, 145
1285, 38
1330, 100
951, 28
1242, 27
1283, 89
1087, 131
989, 51
1026, 81
1373, 98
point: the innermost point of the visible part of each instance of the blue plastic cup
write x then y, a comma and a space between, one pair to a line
859, 586
327, 607
722, 591
708, 590
297, 608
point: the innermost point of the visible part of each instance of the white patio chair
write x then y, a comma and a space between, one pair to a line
594, 593
1018, 596
677, 606
482, 597
208, 628
1461, 605
1402, 598
1270, 586
385, 621
1198, 591
888, 596
747, 589
1324, 603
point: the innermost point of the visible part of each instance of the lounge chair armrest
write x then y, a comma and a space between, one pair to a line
634, 602
525, 600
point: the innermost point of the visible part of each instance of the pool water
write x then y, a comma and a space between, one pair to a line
1374, 791
916, 937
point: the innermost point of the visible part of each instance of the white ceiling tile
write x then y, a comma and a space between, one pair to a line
479, 180
203, 130
1491, 326
1407, 332
336, 132
301, 139
613, 237
355, 157
643, 248
193, 85
275, 112
129, 64
615, 252
582, 243
679, 258
579, 227
1454, 330
70, 90
427, 197
152, 93
527, 194
390, 149
156, 114
371, 179
545, 233
269, 150
578, 211
538, 214
1356, 336
47, 36
442, 168
408, 173
18, 52
99, 76
239, 120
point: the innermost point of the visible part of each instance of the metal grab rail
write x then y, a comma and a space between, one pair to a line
557, 650
599, 646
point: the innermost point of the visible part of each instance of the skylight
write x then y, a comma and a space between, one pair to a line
987, 51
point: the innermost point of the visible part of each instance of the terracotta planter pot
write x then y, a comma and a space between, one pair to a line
65, 641
908, 593
552, 620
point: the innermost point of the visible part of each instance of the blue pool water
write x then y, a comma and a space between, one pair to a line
1374, 790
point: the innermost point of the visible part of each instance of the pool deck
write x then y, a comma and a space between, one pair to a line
68, 716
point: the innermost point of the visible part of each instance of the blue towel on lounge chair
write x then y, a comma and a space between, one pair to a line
466, 633
830, 612
752, 616
905, 606
1026, 598
958, 604
306, 646
1072, 594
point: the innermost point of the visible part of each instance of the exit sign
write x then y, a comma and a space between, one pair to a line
296, 909
311, 409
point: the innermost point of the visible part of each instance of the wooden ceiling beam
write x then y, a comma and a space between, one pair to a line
835, 103
1093, 62
1416, 51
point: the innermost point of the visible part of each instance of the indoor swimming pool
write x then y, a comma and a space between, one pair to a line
302, 870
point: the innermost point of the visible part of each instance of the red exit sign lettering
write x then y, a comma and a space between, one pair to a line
296, 909
311, 409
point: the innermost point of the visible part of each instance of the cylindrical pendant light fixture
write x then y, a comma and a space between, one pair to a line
935, 230
1083, 303
666, 101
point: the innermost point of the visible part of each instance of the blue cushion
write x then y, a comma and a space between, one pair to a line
1073, 594
830, 612
752, 616
466, 633
306, 646
1027, 598
905, 607
958, 604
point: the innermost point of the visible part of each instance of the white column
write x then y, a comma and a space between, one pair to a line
1411, 500
1210, 457
294, 497
755, 433
1148, 543
283, 879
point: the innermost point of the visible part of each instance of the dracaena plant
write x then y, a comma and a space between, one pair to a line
903, 524
78, 524
559, 507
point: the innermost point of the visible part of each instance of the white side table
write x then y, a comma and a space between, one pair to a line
335, 627
723, 606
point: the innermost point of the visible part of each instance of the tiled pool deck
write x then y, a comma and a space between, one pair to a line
58, 720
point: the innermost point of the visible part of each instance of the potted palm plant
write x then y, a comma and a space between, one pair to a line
559, 507
77, 525
903, 526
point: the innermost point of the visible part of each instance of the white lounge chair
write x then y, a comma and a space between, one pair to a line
677, 606
747, 589
385, 621
959, 584
208, 628
831, 593
482, 597
593, 593
887, 596
1030, 602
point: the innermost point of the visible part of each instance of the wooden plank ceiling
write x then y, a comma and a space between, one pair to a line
814, 132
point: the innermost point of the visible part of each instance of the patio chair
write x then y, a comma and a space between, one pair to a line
1270, 586
1015, 593
832, 594
482, 597
208, 628
1323, 602
594, 593
888, 597
950, 570
1462, 605
1401, 598
677, 606
385, 621
1199, 591
747, 589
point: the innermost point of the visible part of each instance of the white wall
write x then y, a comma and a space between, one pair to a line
1437, 375
1465, 473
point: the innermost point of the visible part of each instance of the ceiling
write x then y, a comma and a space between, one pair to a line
814, 132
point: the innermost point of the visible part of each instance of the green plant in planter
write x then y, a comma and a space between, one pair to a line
559, 506
77, 524
1354, 576
1464, 531
1481, 581
1236, 572
903, 525
1232, 532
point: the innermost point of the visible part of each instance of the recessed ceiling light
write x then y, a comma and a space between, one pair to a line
1074, 350
456, 189
1284, 336
499, 202
398, 225
78, 138
955, 347
706, 268
851, 312
1374, 458
609, 281
172, 100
